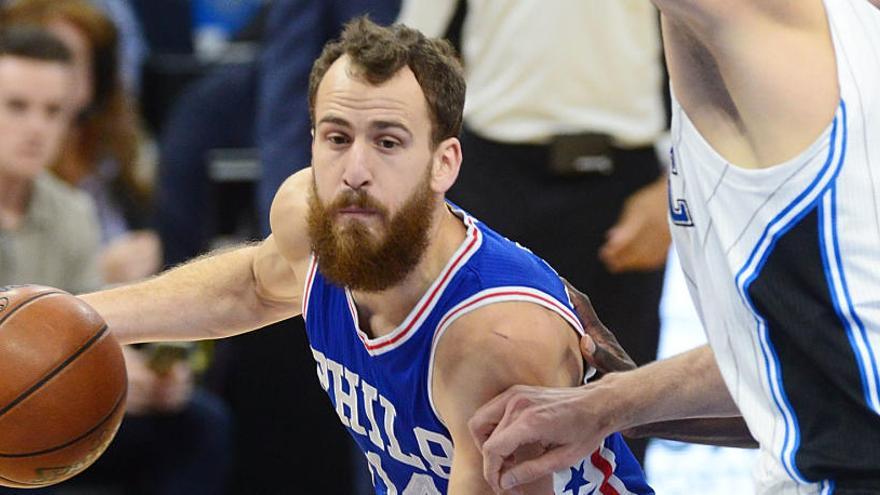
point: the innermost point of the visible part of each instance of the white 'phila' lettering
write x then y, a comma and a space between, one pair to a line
370, 395
441, 464
350, 393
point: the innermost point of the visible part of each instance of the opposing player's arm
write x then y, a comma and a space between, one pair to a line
484, 353
223, 293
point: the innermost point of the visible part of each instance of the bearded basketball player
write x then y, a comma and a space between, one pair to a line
416, 312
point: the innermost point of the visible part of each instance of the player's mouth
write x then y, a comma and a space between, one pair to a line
355, 212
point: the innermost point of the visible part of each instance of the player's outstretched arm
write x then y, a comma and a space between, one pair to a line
223, 293
482, 354
571, 422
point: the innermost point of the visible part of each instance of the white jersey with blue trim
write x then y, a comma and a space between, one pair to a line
782, 264
380, 387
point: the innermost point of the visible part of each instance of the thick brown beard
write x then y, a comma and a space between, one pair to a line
354, 258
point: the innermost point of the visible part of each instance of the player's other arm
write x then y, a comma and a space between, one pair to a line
484, 353
223, 293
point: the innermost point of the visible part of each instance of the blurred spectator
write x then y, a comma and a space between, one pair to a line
102, 151
48, 230
191, 428
564, 106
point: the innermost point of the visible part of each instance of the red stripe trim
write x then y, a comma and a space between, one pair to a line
550, 301
607, 472
430, 300
309, 281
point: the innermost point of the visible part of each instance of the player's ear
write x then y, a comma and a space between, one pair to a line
446, 164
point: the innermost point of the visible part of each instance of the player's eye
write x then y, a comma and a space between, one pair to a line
337, 139
53, 111
16, 105
388, 144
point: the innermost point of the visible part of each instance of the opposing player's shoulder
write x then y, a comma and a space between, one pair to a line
289, 213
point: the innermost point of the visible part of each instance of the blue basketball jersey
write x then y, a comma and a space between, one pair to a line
381, 387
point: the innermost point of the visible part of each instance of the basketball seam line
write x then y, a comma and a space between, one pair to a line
119, 402
26, 302
27, 393
23, 485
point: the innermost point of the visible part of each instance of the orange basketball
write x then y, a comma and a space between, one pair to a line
62, 386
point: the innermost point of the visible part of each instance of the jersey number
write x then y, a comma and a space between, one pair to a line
678, 208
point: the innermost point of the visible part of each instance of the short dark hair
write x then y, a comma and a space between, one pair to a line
34, 43
382, 51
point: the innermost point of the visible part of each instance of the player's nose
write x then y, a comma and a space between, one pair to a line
356, 170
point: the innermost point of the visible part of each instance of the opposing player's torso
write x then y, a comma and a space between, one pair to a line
782, 263
381, 388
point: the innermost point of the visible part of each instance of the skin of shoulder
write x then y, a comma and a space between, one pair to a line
281, 260
483, 353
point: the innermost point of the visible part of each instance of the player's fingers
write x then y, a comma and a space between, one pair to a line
617, 250
610, 249
582, 306
486, 419
607, 361
588, 348
527, 471
499, 448
625, 258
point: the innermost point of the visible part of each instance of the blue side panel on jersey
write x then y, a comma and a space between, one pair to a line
837, 433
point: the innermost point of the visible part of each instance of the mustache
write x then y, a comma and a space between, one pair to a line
356, 199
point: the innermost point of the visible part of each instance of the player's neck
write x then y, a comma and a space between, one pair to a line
379, 313
15, 194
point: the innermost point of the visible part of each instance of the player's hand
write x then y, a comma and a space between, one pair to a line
132, 256
640, 238
141, 382
599, 346
174, 389
565, 424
